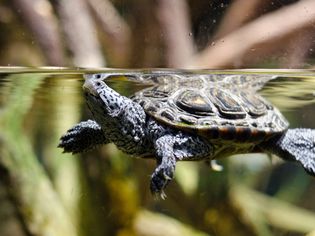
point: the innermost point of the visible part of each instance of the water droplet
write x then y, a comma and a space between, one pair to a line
190, 34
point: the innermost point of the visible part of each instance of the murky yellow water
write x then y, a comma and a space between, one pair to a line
105, 192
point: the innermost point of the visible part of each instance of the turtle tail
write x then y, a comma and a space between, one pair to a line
295, 145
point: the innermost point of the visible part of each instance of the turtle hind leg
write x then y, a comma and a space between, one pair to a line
295, 145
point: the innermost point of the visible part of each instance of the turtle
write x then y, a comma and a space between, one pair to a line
181, 116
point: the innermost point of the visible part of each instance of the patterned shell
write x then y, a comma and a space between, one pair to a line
225, 107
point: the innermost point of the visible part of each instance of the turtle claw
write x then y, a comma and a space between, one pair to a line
215, 166
160, 179
69, 143
166, 177
161, 195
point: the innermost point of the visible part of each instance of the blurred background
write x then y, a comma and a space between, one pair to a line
105, 192
158, 33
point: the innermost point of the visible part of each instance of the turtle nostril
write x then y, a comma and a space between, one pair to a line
98, 84
98, 76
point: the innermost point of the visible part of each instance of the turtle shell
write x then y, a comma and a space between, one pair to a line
224, 107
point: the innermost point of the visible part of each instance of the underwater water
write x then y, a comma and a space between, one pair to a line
105, 192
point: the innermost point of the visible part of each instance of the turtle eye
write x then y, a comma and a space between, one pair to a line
98, 76
98, 83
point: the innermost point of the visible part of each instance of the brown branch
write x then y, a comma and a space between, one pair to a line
38, 17
239, 13
114, 26
298, 49
80, 33
250, 42
173, 17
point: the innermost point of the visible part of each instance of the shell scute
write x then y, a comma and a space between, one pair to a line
194, 103
228, 106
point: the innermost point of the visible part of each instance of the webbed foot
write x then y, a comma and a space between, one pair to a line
160, 179
82, 137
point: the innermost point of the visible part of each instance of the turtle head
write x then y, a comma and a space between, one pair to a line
122, 120
101, 99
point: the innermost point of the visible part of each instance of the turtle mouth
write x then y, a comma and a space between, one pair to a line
95, 105
93, 87
91, 97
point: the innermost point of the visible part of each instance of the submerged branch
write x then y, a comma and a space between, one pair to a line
40, 208
154, 224
259, 207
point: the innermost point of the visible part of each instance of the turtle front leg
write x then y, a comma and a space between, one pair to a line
166, 162
172, 148
82, 137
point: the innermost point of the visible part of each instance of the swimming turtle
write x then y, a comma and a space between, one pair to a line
184, 117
